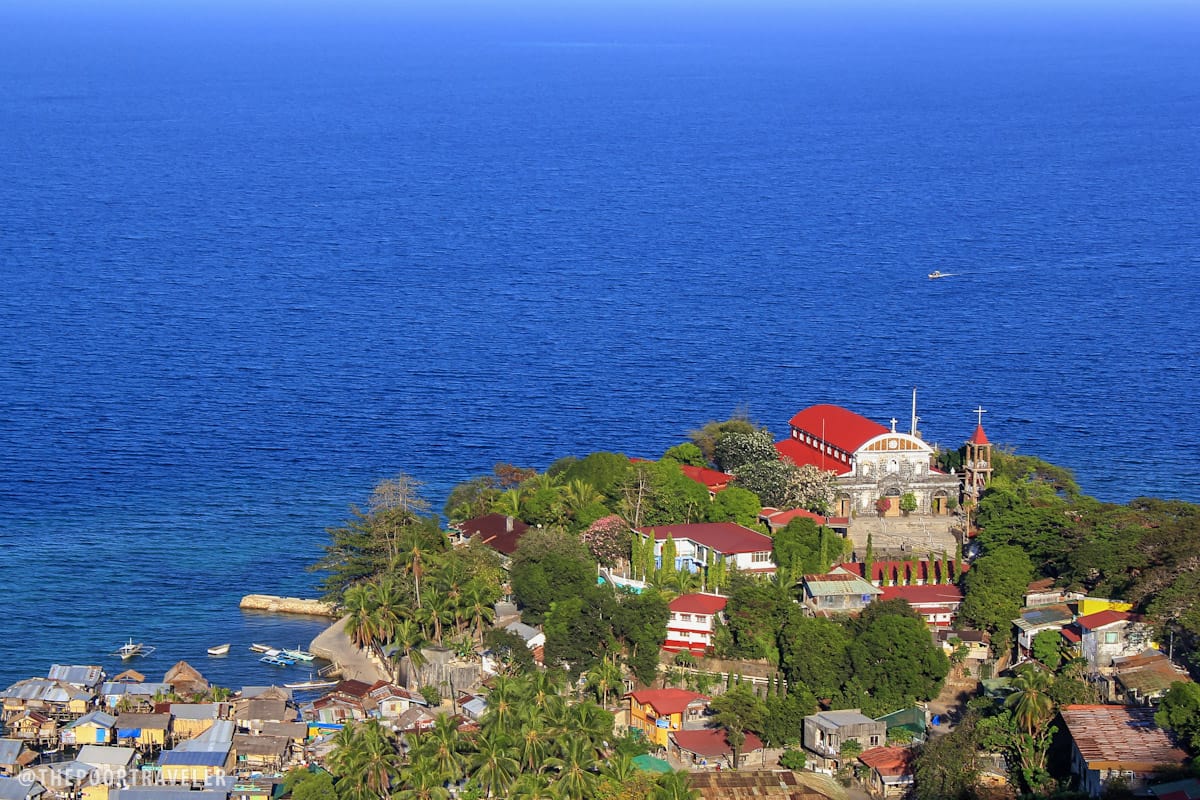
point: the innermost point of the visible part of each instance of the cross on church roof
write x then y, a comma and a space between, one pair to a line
893, 424
979, 412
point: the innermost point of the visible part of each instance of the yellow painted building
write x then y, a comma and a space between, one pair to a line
143, 730
95, 727
657, 712
1094, 605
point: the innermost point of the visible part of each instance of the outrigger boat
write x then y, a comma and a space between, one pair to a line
219, 650
277, 660
311, 683
131, 649
298, 655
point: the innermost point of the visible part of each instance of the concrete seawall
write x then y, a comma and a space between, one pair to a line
287, 605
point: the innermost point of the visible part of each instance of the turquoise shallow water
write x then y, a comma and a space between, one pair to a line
252, 264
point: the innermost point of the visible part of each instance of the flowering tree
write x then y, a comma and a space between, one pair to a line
883, 505
607, 539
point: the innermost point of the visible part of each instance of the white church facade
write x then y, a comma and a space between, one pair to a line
871, 461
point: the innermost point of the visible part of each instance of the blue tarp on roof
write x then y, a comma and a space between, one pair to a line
129, 733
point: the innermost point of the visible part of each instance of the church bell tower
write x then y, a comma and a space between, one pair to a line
977, 467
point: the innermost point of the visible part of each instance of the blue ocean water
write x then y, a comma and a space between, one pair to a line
256, 259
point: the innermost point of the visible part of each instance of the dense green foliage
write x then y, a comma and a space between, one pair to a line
995, 587
549, 565
1179, 711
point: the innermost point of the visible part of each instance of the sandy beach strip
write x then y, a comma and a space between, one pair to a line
334, 645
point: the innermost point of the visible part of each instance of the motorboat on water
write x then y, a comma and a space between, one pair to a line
219, 650
939, 274
131, 649
261, 648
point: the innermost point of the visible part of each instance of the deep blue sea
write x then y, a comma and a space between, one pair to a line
256, 258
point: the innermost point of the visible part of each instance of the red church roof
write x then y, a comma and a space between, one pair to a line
839, 426
698, 603
724, 537
979, 437
802, 453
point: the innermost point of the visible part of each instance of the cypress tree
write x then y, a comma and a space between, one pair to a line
869, 559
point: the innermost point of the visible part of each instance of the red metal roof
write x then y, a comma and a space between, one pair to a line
724, 537
698, 603
923, 569
1120, 737
979, 437
500, 532
888, 761
779, 518
667, 701
801, 454
929, 594
1070, 635
839, 426
714, 480
711, 742
1101, 618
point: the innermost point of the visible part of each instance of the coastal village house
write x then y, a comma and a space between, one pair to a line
710, 747
837, 592
658, 712
739, 547
189, 720
690, 625
143, 731
1110, 634
890, 771
871, 461
13, 789
15, 756
825, 733
1118, 742
94, 727
1142, 679
498, 531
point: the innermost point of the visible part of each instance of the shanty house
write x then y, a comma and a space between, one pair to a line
827, 731
838, 592
890, 771
1118, 742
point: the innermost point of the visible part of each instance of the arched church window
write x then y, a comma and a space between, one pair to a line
893, 465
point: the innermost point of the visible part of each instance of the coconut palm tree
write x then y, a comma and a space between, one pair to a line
440, 612
390, 602
359, 603
503, 702
604, 678
443, 745
620, 769
675, 785
511, 503
1030, 701
532, 786
409, 639
542, 685
492, 765
576, 766
346, 755
422, 781
378, 758
591, 721
479, 601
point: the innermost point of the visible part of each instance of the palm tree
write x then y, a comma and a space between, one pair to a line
675, 785
1030, 701
502, 703
409, 638
532, 786
542, 685
511, 503
576, 765
592, 721
422, 781
388, 601
491, 766
440, 611
443, 745
605, 677
379, 758
579, 494
478, 599
533, 743
346, 754
359, 602
620, 769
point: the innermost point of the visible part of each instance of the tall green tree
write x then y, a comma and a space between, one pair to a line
994, 588
736, 712
549, 565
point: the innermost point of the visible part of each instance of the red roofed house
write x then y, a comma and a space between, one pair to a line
936, 603
777, 520
711, 479
747, 550
709, 745
1106, 635
498, 531
870, 461
891, 771
690, 626
1118, 742
658, 712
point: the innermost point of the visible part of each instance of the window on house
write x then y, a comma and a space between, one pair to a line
874, 741
761, 557
701, 618
685, 617
1111, 638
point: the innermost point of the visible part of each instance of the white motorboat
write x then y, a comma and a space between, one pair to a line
219, 650
939, 274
